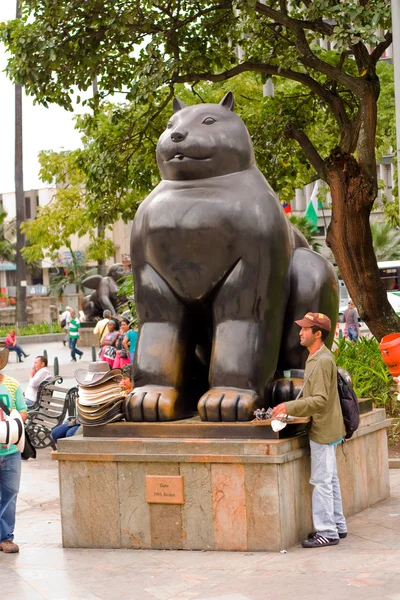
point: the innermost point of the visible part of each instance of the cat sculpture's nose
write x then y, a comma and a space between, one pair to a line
178, 136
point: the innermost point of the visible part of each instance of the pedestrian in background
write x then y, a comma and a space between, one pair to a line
122, 358
38, 373
74, 335
101, 326
10, 460
11, 343
65, 319
108, 349
352, 325
130, 342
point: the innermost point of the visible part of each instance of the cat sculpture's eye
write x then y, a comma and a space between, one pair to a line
209, 121
169, 124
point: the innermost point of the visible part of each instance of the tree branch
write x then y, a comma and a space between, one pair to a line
331, 99
283, 18
306, 56
362, 57
381, 47
309, 150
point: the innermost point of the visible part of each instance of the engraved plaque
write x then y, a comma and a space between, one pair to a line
164, 489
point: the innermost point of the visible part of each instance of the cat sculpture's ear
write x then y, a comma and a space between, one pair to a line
178, 104
228, 101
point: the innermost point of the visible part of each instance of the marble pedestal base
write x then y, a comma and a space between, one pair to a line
238, 494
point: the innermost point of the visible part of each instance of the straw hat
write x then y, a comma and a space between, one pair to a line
101, 417
12, 431
97, 373
102, 394
4, 353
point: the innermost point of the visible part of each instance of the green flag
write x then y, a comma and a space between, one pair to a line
311, 213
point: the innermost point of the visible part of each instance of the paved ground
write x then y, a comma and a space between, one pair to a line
54, 349
366, 565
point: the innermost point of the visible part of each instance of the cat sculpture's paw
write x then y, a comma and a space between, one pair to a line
155, 403
228, 404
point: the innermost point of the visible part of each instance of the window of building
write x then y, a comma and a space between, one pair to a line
320, 231
11, 278
28, 212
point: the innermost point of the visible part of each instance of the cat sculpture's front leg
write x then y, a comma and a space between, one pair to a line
248, 317
161, 369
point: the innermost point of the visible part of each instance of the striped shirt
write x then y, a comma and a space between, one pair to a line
11, 395
74, 326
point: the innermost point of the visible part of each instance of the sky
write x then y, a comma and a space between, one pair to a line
43, 128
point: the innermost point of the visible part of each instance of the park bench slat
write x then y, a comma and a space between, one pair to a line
49, 410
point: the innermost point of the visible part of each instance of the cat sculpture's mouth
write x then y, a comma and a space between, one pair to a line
179, 157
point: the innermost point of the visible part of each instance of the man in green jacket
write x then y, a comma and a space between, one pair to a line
320, 400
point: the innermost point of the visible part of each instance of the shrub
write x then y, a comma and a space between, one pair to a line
31, 329
371, 378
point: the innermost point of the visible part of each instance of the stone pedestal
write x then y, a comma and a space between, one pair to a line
238, 494
44, 308
88, 338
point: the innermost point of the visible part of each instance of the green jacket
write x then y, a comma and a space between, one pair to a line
320, 399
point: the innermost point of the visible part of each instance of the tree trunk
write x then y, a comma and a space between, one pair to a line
349, 237
101, 263
20, 203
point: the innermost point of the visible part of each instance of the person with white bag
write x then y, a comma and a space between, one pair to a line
12, 440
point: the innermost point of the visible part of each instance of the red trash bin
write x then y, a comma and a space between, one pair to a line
390, 350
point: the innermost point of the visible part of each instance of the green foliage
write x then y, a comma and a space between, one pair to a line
305, 227
325, 50
391, 211
72, 273
126, 289
32, 329
386, 241
7, 248
371, 378
386, 130
144, 49
147, 50
70, 212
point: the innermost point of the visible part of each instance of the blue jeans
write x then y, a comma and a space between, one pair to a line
63, 430
17, 349
74, 349
10, 475
327, 508
352, 332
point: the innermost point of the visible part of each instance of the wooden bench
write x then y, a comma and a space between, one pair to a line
52, 404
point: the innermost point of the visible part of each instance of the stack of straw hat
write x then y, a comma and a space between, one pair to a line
100, 397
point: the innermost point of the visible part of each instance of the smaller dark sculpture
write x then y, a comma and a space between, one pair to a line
105, 293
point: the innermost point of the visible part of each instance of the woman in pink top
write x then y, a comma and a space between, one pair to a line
11, 343
108, 350
122, 357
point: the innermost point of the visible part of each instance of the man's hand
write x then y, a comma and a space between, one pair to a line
279, 410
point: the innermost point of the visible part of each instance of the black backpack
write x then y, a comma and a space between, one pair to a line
349, 404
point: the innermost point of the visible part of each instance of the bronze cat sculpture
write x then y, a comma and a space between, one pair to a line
220, 276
